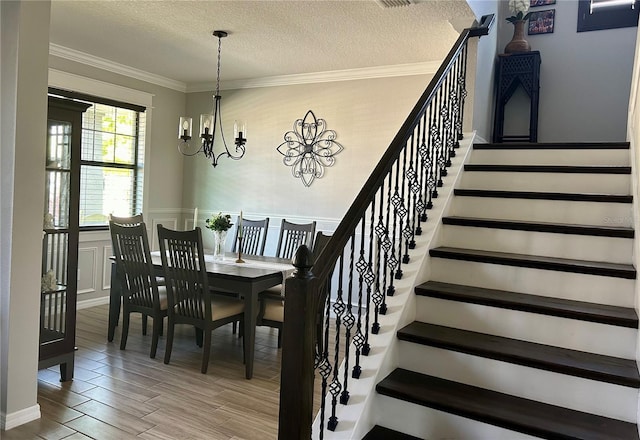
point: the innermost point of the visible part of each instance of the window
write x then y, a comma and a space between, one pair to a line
596, 15
111, 162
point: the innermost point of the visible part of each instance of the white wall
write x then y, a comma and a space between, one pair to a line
365, 114
484, 94
25, 44
585, 78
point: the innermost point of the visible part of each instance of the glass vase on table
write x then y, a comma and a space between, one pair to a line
219, 238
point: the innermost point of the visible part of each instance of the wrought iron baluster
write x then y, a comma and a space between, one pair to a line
457, 128
379, 298
336, 387
358, 338
449, 124
436, 142
388, 244
442, 160
414, 186
323, 364
463, 86
349, 321
369, 277
404, 231
421, 153
396, 233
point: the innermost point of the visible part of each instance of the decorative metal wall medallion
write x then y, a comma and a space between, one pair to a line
309, 148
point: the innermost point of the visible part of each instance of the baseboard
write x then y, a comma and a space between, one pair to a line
86, 303
12, 420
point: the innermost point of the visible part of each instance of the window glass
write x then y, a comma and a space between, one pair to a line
110, 166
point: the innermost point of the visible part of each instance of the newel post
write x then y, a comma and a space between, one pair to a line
297, 370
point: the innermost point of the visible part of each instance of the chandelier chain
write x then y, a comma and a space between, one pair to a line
218, 76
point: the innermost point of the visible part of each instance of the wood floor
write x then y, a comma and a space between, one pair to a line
119, 395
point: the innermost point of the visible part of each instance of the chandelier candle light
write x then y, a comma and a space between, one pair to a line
240, 260
209, 124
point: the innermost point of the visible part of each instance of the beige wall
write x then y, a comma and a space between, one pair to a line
25, 44
365, 114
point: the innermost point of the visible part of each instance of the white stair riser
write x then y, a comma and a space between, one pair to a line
547, 182
575, 286
583, 247
564, 390
551, 157
431, 424
553, 211
533, 327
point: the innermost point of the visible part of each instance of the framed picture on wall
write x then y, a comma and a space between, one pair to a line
542, 22
535, 3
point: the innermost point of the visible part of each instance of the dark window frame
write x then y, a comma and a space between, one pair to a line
134, 167
606, 18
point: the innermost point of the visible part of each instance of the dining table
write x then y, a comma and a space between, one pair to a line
247, 279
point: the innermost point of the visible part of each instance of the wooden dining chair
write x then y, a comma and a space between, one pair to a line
135, 220
254, 236
271, 312
126, 221
292, 236
141, 292
190, 300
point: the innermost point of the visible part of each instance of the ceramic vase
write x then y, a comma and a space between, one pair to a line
518, 43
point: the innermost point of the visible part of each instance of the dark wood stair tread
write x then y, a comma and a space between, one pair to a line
510, 412
559, 228
553, 146
562, 169
381, 433
536, 195
565, 308
537, 262
592, 366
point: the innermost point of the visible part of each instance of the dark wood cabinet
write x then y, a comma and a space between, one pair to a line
513, 71
58, 291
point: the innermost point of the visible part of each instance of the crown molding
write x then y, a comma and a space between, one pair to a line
111, 66
426, 68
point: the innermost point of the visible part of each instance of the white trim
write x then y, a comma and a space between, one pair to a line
107, 252
26, 415
426, 68
94, 252
112, 66
87, 303
82, 84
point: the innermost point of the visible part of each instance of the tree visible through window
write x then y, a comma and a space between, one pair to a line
111, 163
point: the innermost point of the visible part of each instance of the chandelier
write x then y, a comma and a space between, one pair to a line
210, 124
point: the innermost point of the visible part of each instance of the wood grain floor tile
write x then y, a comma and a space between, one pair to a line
56, 411
123, 394
43, 428
121, 402
98, 430
135, 392
114, 417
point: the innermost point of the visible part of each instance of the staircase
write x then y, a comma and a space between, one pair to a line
527, 327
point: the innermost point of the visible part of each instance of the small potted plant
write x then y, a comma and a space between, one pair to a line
219, 224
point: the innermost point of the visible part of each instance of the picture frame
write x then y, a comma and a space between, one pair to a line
536, 3
542, 22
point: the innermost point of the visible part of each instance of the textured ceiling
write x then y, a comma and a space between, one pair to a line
173, 39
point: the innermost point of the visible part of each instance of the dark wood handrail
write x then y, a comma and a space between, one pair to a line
306, 290
324, 264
